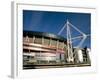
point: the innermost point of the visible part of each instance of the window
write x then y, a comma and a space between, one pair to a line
30, 40
46, 41
54, 43
38, 40
60, 45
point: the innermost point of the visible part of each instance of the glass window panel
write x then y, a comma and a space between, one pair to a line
31, 40
61, 44
54, 43
38, 40
46, 41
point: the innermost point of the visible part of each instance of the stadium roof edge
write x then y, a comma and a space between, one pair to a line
43, 34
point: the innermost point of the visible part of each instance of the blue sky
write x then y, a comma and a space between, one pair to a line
52, 22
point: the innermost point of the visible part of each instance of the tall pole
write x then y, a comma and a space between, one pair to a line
69, 49
69, 41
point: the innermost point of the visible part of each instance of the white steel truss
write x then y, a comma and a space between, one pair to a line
83, 37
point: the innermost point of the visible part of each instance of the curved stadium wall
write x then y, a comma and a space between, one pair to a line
42, 48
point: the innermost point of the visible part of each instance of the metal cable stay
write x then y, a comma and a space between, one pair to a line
70, 39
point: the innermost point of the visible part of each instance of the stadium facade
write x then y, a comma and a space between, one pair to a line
46, 48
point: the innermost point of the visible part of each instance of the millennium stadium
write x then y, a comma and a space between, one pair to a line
47, 50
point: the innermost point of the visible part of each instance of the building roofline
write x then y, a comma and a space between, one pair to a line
43, 34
